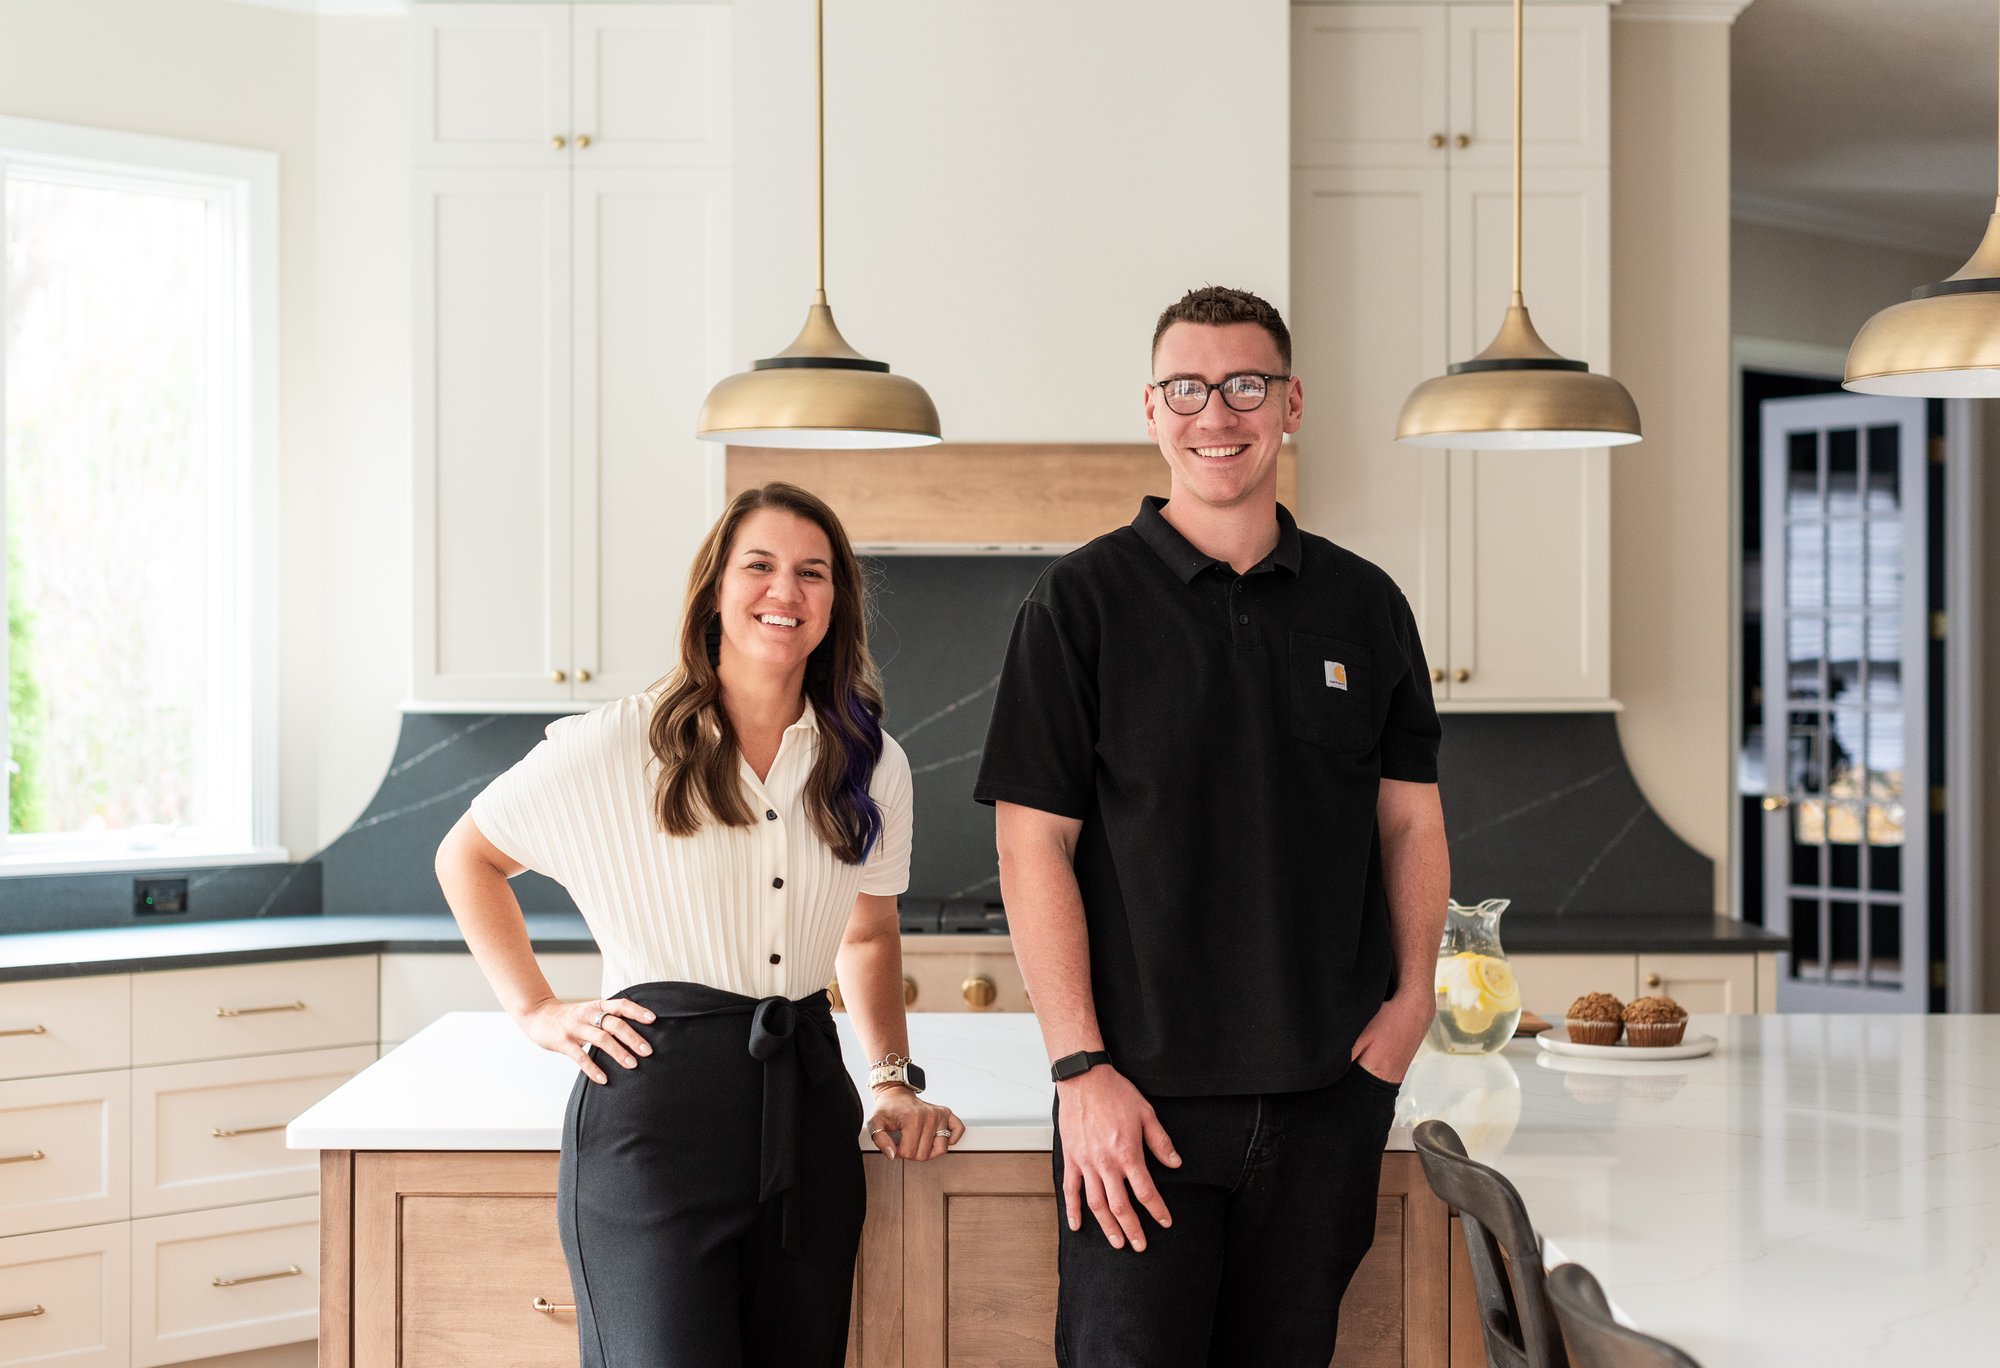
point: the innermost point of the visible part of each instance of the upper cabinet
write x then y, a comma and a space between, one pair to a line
555, 85
1401, 257
572, 266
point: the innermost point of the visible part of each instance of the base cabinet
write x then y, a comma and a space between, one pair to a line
443, 1260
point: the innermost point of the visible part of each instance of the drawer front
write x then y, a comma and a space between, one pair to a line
470, 1274
252, 1009
81, 1128
180, 1163
964, 981
73, 1285
220, 1282
65, 1026
418, 989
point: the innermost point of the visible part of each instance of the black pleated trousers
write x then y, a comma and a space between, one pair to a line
711, 1200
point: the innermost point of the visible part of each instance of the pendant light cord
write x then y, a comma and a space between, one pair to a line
1518, 21
819, 151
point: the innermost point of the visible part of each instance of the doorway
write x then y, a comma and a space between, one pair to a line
1841, 755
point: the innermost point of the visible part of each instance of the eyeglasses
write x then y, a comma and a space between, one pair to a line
1245, 392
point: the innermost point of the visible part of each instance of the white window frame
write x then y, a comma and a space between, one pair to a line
243, 574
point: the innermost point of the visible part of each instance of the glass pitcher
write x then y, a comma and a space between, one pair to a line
1478, 1002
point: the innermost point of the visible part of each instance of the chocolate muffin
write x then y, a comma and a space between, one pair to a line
1654, 1021
1595, 1019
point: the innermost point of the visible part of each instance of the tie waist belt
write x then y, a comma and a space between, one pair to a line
797, 1044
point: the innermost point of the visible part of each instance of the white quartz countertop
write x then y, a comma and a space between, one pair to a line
1822, 1190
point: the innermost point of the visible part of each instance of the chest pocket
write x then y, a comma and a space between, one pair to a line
1331, 692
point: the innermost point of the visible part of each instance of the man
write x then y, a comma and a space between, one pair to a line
1213, 758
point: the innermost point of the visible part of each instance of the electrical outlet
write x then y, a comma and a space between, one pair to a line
152, 897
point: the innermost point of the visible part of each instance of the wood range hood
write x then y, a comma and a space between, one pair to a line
967, 497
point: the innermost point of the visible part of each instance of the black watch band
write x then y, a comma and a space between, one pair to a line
1082, 1062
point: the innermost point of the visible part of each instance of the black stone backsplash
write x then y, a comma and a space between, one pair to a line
1539, 807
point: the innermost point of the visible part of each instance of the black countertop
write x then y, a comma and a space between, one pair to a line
190, 945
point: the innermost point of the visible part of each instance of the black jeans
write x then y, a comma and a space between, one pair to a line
710, 1201
1273, 1208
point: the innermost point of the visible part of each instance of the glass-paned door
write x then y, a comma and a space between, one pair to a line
1845, 644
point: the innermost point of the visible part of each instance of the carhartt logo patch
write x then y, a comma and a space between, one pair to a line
1336, 675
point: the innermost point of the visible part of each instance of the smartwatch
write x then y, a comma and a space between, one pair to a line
896, 1069
1074, 1065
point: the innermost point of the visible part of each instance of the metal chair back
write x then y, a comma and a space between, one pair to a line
1595, 1339
1515, 1317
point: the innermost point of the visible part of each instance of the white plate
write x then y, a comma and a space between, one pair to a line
1556, 1040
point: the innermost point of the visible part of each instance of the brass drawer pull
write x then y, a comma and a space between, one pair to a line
27, 1158
291, 1271
35, 1310
230, 1133
909, 991
549, 1308
980, 992
37, 1029
259, 1011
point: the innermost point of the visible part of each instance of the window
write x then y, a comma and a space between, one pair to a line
138, 393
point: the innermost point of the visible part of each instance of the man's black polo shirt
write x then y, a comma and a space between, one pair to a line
1221, 737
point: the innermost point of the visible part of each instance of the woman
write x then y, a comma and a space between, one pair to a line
732, 836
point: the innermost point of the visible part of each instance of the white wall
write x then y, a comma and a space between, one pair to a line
1013, 192
328, 98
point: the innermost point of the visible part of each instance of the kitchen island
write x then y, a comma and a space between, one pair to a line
1818, 1191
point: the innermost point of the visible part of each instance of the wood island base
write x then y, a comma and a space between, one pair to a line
450, 1259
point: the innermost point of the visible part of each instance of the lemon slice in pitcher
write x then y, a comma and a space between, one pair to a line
1496, 983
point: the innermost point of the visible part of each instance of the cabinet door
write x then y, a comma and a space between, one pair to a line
1369, 86
417, 989
979, 1273
65, 1026
1565, 113
65, 1298
650, 85
489, 85
1550, 983
652, 309
1369, 303
1701, 983
457, 1262
1530, 549
492, 445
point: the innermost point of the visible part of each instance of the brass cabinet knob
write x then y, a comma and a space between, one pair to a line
559, 676
1437, 675
833, 995
1652, 980
979, 992
1437, 140
582, 141
583, 676
1461, 674
1462, 140
558, 143
909, 991
1777, 802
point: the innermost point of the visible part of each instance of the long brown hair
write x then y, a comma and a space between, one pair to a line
690, 732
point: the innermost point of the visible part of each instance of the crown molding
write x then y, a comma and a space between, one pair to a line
1679, 11
1870, 230
336, 9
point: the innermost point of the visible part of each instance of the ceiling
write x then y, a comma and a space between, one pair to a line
1870, 119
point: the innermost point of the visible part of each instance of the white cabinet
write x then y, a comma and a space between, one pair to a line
571, 312
64, 1152
63, 1298
1401, 262
417, 989
221, 1282
1704, 983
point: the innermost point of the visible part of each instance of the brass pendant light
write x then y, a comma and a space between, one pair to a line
1943, 342
819, 392
1519, 394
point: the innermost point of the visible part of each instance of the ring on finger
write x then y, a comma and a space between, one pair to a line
945, 1131
598, 1020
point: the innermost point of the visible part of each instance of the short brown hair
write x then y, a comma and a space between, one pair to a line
1218, 304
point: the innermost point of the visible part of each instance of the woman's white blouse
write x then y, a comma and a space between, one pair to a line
757, 910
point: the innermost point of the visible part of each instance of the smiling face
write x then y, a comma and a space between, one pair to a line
1221, 457
775, 596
